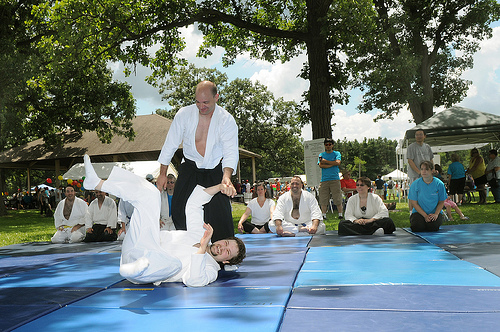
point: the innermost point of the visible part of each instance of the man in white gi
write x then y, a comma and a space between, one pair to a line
101, 219
153, 256
209, 137
297, 212
166, 223
69, 218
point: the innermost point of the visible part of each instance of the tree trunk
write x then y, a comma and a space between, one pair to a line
428, 102
422, 109
319, 74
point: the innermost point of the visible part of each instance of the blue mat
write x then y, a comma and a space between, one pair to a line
423, 251
97, 270
352, 321
48, 248
15, 264
385, 283
467, 233
398, 298
14, 315
80, 319
486, 255
21, 305
187, 298
274, 268
410, 264
272, 240
333, 239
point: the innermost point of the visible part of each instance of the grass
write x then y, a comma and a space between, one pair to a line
28, 226
25, 226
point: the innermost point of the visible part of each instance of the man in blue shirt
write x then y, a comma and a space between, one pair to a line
329, 162
427, 196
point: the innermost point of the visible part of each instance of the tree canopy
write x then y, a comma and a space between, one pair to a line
271, 30
48, 89
404, 52
418, 52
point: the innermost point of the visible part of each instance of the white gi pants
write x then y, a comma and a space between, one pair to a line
143, 235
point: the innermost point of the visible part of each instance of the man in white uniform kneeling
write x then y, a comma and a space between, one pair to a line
153, 256
69, 218
297, 212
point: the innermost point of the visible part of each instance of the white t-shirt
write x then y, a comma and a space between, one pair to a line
260, 215
418, 153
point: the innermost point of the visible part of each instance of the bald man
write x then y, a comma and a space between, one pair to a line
209, 137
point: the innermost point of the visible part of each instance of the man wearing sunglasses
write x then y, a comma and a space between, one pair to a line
329, 162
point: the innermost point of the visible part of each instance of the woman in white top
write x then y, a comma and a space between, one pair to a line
365, 212
261, 208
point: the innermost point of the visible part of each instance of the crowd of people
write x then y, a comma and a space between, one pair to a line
43, 198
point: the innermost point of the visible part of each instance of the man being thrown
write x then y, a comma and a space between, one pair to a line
297, 212
153, 256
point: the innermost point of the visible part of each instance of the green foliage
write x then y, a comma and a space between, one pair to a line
402, 52
418, 53
357, 167
147, 32
51, 89
179, 88
377, 156
16, 179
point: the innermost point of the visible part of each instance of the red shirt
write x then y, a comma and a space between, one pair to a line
349, 184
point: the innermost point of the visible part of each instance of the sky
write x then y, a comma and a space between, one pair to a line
282, 81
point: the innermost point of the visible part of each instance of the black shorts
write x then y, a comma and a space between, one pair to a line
248, 227
480, 180
457, 186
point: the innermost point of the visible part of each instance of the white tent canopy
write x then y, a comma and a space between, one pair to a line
458, 126
395, 175
140, 168
42, 186
454, 129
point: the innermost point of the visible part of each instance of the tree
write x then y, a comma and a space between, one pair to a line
270, 30
357, 166
49, 90
376, 156
419, 51
267, 126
